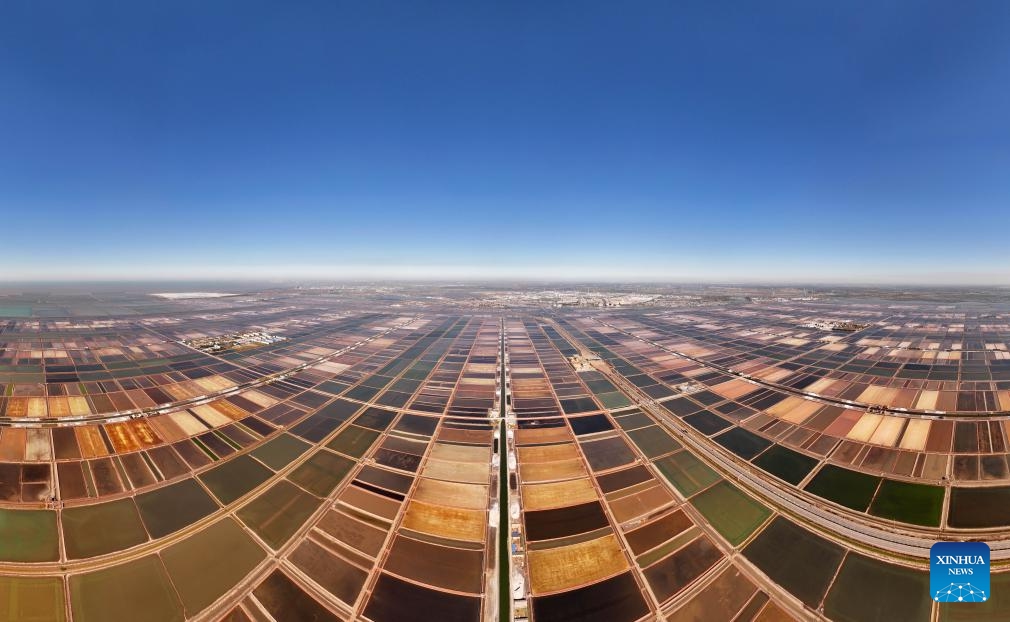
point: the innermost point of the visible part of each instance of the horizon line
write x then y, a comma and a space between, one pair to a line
517, 279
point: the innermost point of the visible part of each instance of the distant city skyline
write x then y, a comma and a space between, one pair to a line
777, 142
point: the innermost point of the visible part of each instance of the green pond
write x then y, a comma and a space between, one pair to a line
613, 400
102, 528
730, 511
354, 441
633, 420
15, 311
686, 472
137, 591
278, 512
743, 443
653, 441
843, 486
321, 473
869, 589
786, 464
235, 478
28, 536
206, 565
796, 559
32, 599
279, 452
171, 508
918, 504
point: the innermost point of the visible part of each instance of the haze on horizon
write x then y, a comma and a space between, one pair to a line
781, 142
498, 274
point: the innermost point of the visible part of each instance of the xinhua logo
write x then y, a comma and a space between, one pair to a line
959, 572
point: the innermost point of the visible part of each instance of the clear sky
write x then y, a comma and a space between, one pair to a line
863, 141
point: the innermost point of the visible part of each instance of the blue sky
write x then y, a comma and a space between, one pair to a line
674, 140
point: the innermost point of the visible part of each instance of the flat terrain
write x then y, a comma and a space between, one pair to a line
672, 459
